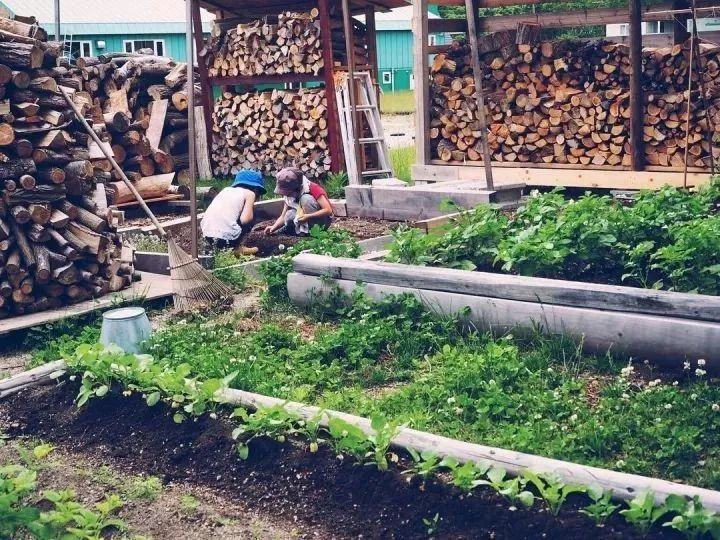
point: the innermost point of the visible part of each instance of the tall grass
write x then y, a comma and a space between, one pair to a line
402, 161
397, 102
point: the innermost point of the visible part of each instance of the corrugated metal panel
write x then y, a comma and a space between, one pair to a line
395, 49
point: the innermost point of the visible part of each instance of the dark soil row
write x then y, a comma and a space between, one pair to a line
325, 497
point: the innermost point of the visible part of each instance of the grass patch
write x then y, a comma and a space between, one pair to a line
397, 102
149, 243
539, 395
402, 161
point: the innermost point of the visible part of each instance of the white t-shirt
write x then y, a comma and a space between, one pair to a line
222, 216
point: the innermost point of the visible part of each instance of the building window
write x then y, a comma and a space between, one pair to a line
387, 77
79, 48
624, 30
657, 27
157, 45
432, 40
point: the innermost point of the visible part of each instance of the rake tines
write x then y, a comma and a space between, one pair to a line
193, 286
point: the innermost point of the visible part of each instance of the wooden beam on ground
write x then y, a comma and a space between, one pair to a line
521, 288
567, 176
637, 143
422, 82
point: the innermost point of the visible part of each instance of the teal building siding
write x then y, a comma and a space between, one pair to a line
395, 59
173, 44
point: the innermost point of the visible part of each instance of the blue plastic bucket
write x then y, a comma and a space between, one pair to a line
125, 327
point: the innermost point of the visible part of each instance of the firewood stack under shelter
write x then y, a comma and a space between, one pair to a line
567, 102
270, 129
58, 239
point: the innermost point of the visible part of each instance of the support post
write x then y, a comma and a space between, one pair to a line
191, 124
472, 17
355, 128
371, 33
205, 85
328, 72
637, 144
421, 71
57, 21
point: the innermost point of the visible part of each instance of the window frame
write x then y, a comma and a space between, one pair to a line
155, 42
387, 77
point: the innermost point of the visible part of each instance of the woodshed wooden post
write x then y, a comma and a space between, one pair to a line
637, 144
472, 18
333, 116
205, 85
421, 71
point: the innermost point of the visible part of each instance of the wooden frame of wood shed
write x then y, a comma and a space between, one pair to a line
637, 176
253, 9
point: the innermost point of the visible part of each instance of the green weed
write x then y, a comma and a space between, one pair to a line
402, 160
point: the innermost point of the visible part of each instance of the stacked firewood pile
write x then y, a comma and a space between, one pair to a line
567, 102
274, 45
269, 130
57, 239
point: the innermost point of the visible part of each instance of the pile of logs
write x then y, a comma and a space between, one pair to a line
57, 239
269, 130
567, 102
274, 45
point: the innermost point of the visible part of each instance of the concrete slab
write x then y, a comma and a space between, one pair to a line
150, 287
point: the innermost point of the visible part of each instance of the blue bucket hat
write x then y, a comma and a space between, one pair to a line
250, 179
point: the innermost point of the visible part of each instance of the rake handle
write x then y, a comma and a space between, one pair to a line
114, 163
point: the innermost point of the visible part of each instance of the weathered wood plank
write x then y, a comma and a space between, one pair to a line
520, 288
665, 341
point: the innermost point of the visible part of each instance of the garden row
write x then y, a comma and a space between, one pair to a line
667, 239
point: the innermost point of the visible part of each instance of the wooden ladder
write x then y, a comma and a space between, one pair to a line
367, 106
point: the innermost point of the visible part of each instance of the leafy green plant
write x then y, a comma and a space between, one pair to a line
144, 488
642, 513
347, 438
16, 483
426, 463
77, 522
432, 524
601, 507
274, 422
383, 434
189, 504
692, 520
466, 476
513, 489
552, 489
335, 185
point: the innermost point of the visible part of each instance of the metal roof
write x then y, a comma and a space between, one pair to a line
108, 17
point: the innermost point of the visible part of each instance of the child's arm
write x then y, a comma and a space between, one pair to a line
326, 209
248, 212
279, 222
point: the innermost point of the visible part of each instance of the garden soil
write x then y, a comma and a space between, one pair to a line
288, 488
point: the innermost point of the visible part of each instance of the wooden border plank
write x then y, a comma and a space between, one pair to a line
665, 341
521, 288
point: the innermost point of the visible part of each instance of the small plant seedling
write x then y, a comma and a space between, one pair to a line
642, 512
602, 507
513, 489
275, 422
466, 476
432, 524
189, 504
692, 520
310, 429
144, 488
70, 517
41, 451
384, 432
552, 489
426, 463
349, 439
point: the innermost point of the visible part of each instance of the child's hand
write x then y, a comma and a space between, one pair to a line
268, 231
301, 219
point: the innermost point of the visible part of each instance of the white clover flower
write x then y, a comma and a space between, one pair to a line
538, 416
450, 400
700, 372
715, 407
556, 394
233, 360
550, 370
627, 371
252, 357
701, 462
299, 322
574, 418
701, 363
458, 410
686, 365
668, 406
675, 383
693, 397
626, 396
620, 463
564, 428
281, 247
653, 384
